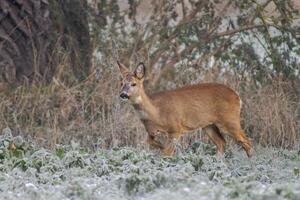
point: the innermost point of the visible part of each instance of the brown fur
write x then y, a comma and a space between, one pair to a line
211, 106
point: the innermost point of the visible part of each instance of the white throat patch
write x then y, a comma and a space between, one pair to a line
138, 100
142, 114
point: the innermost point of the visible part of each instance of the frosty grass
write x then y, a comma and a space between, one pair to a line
72, 172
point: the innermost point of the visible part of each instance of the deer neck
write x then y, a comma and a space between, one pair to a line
145, 108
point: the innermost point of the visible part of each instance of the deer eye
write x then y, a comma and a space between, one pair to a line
133, 84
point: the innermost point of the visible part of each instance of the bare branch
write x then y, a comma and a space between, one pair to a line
234, 31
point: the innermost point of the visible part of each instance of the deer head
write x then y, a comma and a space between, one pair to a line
132, 82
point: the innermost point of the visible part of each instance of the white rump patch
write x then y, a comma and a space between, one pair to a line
240, 102
239, 98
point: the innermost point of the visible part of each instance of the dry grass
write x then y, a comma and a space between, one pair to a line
92, 113
271, 115
89, 111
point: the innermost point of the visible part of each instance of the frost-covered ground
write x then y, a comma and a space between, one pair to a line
71, 172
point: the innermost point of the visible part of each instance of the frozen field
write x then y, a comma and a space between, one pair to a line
71, 172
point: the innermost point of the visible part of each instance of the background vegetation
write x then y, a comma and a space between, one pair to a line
66, 134
59, 80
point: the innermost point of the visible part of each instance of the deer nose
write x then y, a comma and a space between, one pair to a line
124, 96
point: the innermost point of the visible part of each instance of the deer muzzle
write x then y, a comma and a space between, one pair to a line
124, 95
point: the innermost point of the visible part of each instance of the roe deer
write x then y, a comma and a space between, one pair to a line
211, 106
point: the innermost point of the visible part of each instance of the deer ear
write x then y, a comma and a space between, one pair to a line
140, 71
122, 68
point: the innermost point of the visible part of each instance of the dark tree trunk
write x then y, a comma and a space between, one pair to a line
70, 18
30, 33
77, 28
24, 32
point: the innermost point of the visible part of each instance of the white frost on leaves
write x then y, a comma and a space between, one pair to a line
134, 173
30, 185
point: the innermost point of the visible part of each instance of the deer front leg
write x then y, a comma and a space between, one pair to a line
169, 149
153, 143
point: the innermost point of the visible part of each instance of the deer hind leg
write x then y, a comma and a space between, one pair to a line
215, 135
234, 130
246, 143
